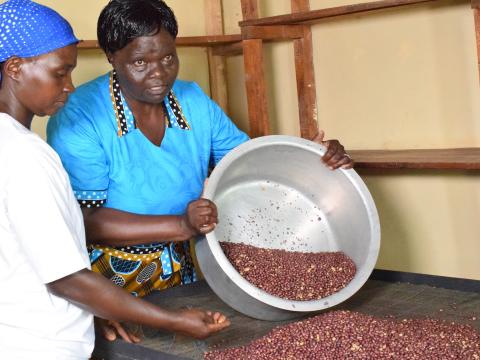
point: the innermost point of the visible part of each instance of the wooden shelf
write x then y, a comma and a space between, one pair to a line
185, 41
440, 159
308, 17
209, 40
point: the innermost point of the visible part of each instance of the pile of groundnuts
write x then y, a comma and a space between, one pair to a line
339, 335
291, 275
336, 335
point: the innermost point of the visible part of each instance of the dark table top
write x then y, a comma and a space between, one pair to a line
376, 298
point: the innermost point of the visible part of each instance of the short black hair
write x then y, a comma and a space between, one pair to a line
122, 21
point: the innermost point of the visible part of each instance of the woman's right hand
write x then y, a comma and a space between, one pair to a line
199, 324
201, 216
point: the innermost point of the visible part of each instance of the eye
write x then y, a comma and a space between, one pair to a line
168, 58
139, 62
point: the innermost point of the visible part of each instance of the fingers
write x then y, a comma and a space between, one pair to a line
208, 218
207, 211
110, 329
205, 229
200, 324
218, 321
127, 336
103, 327
334, 152
202, 215
336, 157
347, 162
108, 332
319, 137
215, 327
219, 318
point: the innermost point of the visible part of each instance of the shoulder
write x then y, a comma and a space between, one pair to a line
16, 140
86, 99
30, 155
86, 106
90, 89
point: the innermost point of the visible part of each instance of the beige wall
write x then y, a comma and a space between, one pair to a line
404, 78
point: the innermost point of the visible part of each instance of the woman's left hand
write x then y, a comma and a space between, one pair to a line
110, 330
335, 156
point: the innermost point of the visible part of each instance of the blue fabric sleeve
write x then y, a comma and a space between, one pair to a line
225, 134
72, 134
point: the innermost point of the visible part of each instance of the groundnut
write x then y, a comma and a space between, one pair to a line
291, 275
352, 335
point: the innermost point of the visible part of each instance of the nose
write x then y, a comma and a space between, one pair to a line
158, 70
69, 87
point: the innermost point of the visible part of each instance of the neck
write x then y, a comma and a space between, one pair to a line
11, 106
144, 111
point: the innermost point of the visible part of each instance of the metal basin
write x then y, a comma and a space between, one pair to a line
275, 192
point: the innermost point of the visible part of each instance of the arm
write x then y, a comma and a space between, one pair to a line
120, 228
74, 132
106, 300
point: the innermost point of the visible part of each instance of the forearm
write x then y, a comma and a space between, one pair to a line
106, 300
112, 227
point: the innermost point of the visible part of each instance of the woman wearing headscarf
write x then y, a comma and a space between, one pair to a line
137, 144
48, 292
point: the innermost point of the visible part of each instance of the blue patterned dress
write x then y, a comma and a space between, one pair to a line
112, 164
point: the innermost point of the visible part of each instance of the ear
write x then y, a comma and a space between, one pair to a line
110, 57
12, 67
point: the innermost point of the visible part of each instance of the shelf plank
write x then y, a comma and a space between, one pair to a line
209, 40
311, 16
279, 32
441, 159
216, 64
184, 41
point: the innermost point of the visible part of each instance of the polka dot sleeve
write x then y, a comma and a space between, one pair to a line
73, 136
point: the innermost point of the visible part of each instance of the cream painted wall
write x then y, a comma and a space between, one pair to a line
404, 78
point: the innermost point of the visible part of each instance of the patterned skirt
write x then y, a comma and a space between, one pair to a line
140, 269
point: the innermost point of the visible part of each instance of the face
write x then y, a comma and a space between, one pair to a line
46, 80
147, 67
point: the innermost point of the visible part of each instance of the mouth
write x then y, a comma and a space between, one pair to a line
158, 89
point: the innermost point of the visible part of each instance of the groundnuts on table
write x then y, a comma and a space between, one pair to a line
339, 335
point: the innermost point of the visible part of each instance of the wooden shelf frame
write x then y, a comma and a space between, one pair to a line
433, 159
309, 17
185, 41
296, 27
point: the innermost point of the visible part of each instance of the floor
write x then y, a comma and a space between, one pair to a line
377, 298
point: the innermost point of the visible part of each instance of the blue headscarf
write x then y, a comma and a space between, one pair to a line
29, 29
